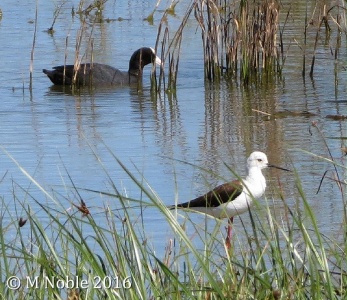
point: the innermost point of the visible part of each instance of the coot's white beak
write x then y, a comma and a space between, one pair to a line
157, 59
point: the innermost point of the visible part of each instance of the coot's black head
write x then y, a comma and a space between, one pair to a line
141, 58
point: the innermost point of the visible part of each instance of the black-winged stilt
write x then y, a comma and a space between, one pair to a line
236, 197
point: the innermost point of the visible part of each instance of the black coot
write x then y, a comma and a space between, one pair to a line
94, 74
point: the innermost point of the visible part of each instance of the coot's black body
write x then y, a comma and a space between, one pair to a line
94, 74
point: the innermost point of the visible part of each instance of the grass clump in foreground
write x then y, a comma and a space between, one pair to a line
70, 254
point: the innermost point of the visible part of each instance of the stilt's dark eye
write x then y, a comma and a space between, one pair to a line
260, 160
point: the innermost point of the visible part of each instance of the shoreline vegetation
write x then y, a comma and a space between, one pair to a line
68, 255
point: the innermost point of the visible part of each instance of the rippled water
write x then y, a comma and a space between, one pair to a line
206, 125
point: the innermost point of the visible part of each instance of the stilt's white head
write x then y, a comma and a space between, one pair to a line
257, 160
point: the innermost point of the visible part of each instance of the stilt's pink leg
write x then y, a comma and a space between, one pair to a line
229, 229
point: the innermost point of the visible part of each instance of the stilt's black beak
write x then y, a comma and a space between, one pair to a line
280, 168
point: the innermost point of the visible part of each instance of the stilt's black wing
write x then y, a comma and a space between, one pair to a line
221, 194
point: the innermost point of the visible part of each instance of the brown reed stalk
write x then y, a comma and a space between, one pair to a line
33, 50
174, 47
156, 86
89, 52
283, 55
77, 60
171, 50
55, 16
270, 11
65, 58
208, 16
323, 20
173, 65
245, 35
258, 35
232, 44
303, 72
338, 37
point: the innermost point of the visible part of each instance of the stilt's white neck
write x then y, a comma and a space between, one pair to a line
256, 176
